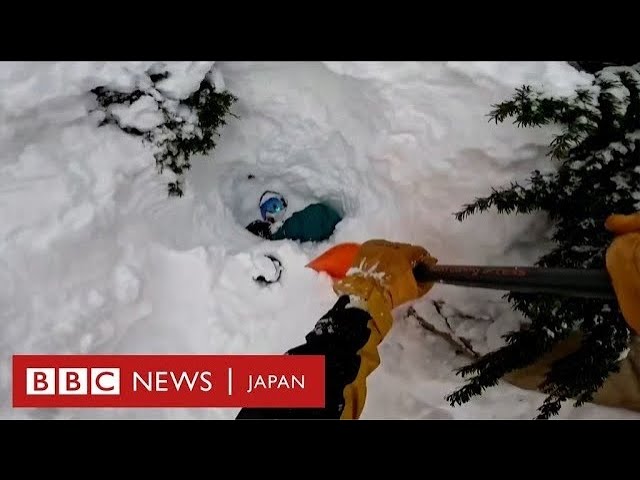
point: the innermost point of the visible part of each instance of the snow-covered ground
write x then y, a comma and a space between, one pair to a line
95, 257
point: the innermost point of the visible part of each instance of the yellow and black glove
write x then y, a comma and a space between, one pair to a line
623, 265
380, 279
382, 276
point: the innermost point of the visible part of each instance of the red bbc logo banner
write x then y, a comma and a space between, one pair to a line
156, 381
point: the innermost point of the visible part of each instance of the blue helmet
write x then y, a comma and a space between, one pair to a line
272, 206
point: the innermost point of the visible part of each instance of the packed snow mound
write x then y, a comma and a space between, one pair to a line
96, 258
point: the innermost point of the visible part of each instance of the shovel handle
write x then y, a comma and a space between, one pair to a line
558, 281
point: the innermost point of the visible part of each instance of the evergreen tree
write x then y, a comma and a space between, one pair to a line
189, 125
597, 160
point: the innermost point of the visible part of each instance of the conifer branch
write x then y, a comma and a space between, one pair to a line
596, 155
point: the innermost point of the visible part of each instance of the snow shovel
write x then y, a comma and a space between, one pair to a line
558, 281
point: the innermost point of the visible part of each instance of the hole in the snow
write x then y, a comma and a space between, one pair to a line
272, 207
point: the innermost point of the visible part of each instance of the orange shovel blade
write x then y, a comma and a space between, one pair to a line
337, 260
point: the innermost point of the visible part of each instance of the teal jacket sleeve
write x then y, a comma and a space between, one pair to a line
315, 223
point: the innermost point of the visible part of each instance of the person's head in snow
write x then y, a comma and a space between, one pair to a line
314, 223
273, 207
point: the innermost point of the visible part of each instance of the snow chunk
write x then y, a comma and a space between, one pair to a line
582, 248
623, 354
94, 299
612, 73
577, 164
126, 284
216, 79
142, 114
29, 85
621, 181
619, 147
633, 136
78, 217
555, 78
367, 272
618, 90
184, 78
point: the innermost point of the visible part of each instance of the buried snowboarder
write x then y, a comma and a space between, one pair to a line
314, 223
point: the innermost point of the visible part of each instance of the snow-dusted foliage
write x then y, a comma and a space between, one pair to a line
178, 117
597, 154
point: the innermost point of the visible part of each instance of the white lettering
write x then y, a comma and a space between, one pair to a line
73, 381
137, 378
158, 381
184, 376
105, 381
206, 381
295, 380
161, 380
41, 381
260, 382
275, 381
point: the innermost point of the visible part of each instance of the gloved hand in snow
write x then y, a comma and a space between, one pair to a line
267, 269
382, 277
623, 265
